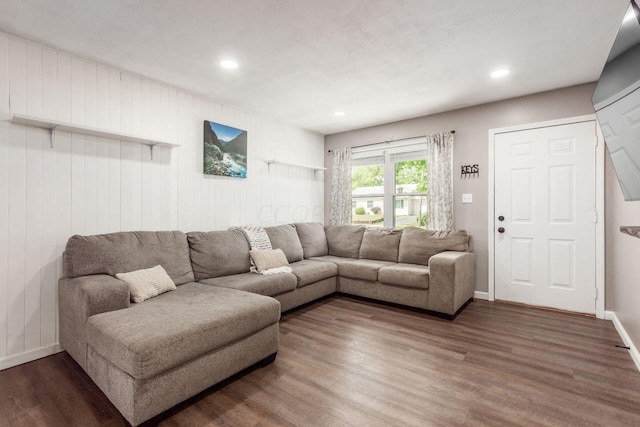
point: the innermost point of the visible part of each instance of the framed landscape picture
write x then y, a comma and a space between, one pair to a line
225, 150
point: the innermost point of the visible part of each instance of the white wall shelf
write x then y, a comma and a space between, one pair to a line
54, 125
297, 165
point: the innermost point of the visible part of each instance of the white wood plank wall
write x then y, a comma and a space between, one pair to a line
89, 185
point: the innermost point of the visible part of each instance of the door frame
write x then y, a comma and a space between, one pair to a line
600, 202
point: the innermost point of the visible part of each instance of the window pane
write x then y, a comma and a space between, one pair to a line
367, 179
411, 176
368, 210
410, 211
367, 184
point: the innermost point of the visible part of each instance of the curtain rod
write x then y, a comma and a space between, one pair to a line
389, 141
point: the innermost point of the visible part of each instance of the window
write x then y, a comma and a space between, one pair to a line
367, 185
389, 187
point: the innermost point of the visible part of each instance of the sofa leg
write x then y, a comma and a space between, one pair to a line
268, 360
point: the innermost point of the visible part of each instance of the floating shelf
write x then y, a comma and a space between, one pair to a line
55, 126
297, 165
631, 230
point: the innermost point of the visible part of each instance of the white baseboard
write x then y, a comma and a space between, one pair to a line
481, 295
29, 356
633, 350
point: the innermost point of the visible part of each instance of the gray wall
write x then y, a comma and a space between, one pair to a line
622, 254
471, 146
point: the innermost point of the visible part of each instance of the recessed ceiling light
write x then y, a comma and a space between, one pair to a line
229, 64
339, 113
499, 73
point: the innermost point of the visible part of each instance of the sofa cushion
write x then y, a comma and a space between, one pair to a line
129, 251
344, 240
381, 244
270, 285
285, 237
364, 269
173, 328
218, 253
418, 245
406, 275
309, 272
147, 283
313, 239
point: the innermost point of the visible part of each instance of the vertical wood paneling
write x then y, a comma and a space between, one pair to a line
135, 154
77, 90
102, 97
77, 184
48, 254
98, 205
90, 94
89, 185
49, 83
113, 196
114, 100
33, 232
64, 87
92, 213
17, 203
114, 156
34, 80
18, 76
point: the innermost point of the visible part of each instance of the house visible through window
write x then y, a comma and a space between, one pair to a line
389, 186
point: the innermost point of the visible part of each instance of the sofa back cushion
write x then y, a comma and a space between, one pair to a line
285, 237
218, 253
418, 245
344, 240
123, 252
313, 239
381, 244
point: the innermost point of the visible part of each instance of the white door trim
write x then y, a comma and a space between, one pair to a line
600, 260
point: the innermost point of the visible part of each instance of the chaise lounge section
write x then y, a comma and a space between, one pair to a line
147, 357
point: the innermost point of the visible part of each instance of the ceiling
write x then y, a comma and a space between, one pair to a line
300, 61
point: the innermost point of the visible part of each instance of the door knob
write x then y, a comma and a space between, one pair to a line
501, 230
500, 218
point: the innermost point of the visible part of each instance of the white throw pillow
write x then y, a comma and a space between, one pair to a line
147, 283
266, 259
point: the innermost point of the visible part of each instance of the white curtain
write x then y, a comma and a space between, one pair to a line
440, 181
340, 209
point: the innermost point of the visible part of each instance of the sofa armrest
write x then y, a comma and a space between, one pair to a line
80, 298
451, 281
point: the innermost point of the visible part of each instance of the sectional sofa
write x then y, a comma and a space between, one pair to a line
221, 318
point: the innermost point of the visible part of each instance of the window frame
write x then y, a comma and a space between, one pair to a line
389, 155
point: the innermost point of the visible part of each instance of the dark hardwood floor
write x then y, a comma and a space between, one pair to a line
347, 362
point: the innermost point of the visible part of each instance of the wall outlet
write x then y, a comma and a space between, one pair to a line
467, 198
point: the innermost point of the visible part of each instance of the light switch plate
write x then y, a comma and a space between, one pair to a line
467, 198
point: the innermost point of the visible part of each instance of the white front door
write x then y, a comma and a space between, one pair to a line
545, 216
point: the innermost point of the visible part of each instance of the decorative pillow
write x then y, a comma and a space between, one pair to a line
268, 259
147, 283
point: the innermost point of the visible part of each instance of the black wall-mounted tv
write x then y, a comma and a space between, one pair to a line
617, 103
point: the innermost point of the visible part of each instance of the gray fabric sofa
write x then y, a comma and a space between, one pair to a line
147, 357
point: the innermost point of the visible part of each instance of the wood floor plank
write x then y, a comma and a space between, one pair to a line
350, 362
